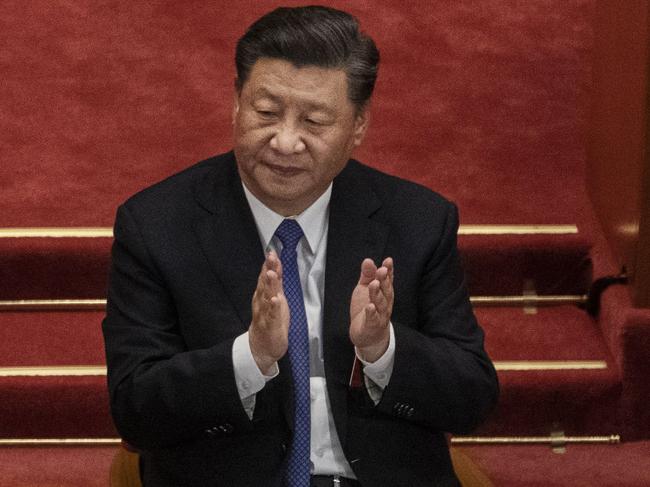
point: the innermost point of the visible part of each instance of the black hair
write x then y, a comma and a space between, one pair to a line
312, 36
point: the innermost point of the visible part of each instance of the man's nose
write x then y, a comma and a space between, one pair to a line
287, 140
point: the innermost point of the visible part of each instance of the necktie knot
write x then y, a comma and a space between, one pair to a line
289, 233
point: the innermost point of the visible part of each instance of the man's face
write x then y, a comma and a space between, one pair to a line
294, 130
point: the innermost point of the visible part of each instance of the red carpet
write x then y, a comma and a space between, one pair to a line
73, 268
55, 338
76, 268
625, 465
503, 264
56, 466
484, 102
536, 402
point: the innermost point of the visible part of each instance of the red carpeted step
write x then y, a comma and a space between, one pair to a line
61, 466
549, 333
532, 402
507, 264
627, 329
54, 268
55, 407
76, 268
578, 393
40, 338
52, 404
621, 465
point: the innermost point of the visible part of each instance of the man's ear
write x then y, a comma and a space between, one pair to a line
235, 106
361, 123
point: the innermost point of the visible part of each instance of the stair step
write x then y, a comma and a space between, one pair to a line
533, 402
548, 333
62, 466
511, 264
34, 338
622, 465
574, 397
499, 264
52, 405
54, 268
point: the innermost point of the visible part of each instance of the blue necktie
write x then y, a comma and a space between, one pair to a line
289, 233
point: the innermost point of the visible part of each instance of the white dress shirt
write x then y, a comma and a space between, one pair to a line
326, 454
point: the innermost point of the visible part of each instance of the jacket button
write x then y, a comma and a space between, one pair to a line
223, 428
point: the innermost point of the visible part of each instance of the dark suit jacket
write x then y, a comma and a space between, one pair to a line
186, 258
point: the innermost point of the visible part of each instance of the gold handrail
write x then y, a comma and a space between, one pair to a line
100, 304
530, 440
455, 440
100, 370
53, 305
107, 232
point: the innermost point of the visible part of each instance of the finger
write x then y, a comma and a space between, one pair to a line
381, 274
377, 297
271, 260
274, 263
386, 285
388, 264
274, 284
368, 270
278, 269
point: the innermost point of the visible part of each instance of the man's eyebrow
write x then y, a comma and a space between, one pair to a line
320, 107
263, 92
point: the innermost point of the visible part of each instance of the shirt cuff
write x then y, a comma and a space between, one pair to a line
248, 377
381, 370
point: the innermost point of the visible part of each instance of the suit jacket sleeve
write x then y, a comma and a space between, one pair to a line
442, 377
161, 393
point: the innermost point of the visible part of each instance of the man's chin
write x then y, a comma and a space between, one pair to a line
287, 199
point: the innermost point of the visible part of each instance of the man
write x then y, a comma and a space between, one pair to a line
281, 314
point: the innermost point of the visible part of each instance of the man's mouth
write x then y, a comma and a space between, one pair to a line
282, 170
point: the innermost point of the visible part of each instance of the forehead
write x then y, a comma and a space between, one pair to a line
281, 80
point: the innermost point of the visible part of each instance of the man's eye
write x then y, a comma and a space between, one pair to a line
266, 113
313, 122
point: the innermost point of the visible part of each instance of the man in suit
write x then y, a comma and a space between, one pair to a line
282, 314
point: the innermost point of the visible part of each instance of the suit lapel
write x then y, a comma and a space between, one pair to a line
353, 235
228, 235
229, 239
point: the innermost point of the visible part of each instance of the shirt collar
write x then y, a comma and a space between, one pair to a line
313, 220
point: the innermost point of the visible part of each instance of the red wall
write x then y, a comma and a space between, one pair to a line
618, 165
484, 101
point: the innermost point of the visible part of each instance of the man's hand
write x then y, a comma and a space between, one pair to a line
268, 333
371, 308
